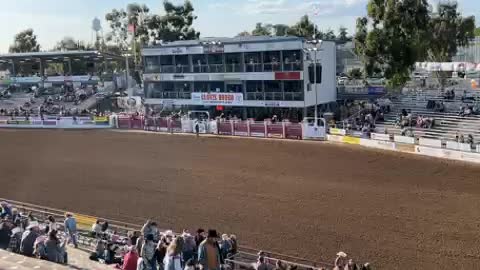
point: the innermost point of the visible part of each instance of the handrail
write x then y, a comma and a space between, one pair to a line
135, 227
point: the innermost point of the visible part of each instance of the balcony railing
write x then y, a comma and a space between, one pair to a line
167, 69
272, 67
255, 96
152, 69
182, 69
253, 67
234, 68
216, 68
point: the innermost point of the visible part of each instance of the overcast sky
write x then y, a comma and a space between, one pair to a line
54, 19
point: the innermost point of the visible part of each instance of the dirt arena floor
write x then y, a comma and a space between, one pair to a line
307, 199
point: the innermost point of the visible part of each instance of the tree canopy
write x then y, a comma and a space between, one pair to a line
70, 44
389, 39
396, 34
25, 41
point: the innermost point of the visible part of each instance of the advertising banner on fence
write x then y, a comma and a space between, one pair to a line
226, 99
337, 131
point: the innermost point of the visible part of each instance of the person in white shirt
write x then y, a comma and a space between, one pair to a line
97, 228
52, 225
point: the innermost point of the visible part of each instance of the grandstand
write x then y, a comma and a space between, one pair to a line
245, 258
446, 124
69, 78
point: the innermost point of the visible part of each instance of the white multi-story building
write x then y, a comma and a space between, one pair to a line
243, 76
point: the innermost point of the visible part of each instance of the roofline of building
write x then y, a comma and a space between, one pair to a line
47, 55
268, 39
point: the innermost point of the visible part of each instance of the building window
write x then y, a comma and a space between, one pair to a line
253, 62
311, 73
182, 64
217, 86
200, 87
254, 90
166, 64
234, 88
153, 90
292, 60
293, 90
271, 61
233, 62
273, 90
152, 64
215, 63
199, 63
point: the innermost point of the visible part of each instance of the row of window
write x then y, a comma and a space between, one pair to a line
288, 96
229, 62
221, 86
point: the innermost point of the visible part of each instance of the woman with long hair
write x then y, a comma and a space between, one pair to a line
173, 258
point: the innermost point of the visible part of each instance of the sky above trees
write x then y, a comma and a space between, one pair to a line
54, 19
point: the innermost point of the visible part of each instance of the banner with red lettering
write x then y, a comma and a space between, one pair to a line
225, 99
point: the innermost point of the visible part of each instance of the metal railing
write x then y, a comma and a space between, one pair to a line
245, 257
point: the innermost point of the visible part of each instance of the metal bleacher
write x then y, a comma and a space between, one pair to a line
446, 124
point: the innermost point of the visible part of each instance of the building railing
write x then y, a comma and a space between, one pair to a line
221, 68
234, 68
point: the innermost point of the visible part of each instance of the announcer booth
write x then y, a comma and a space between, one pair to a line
247, 77
52, 69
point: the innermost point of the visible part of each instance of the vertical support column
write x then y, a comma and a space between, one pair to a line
14, 72
70, 66
281, 61
242, 62
261, 61
190, 63
266, 129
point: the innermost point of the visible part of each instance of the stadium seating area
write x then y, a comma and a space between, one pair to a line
114, 243
447, 124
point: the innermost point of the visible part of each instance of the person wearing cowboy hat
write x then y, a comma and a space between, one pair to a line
209, 252
28, 239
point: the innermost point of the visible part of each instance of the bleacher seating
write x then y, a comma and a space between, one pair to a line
447, 123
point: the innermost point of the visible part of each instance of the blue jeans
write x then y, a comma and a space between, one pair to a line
73, 238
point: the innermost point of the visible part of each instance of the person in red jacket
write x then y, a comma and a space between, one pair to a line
130, 260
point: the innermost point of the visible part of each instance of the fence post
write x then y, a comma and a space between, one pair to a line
233, 127
283, 130
248, 129
266, 129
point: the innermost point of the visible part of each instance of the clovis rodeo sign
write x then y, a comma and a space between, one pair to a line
227, 99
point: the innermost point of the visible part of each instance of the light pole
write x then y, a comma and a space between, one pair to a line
317, 44
127, 73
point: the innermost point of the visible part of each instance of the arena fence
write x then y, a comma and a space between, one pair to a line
50, 122
420, 146
265, 129
244, 259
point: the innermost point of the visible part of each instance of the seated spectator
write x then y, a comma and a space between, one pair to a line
28, 239
110, 252
16, 237
39, 247
104, 226
461, 139
130, 259
99, 251
5, 232
173, 258
96, 228
6, 210
261, 264
470, 139
52, 247
52, 225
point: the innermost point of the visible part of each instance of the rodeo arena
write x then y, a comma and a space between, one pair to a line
235, 153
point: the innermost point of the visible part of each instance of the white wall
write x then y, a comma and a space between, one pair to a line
327, 89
